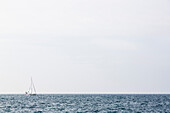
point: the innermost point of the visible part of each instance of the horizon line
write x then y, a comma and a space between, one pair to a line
89, 93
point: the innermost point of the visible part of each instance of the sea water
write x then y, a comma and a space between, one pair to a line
70, 103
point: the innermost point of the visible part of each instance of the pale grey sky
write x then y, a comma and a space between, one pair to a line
85, 46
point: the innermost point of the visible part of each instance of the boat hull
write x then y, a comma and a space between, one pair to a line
31, 94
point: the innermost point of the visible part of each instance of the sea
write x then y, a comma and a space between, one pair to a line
85, 103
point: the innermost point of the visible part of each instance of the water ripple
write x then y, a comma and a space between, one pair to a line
84, 103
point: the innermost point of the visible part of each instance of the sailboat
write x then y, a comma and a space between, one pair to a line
32, 90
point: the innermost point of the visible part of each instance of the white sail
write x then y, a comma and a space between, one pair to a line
32, 90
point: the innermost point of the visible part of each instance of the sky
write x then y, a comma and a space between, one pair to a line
85, 46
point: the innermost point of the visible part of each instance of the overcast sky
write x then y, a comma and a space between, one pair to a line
85, 46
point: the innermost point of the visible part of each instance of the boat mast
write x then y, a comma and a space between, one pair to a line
33, 85
32, 89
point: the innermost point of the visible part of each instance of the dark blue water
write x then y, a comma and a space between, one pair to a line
84, 103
